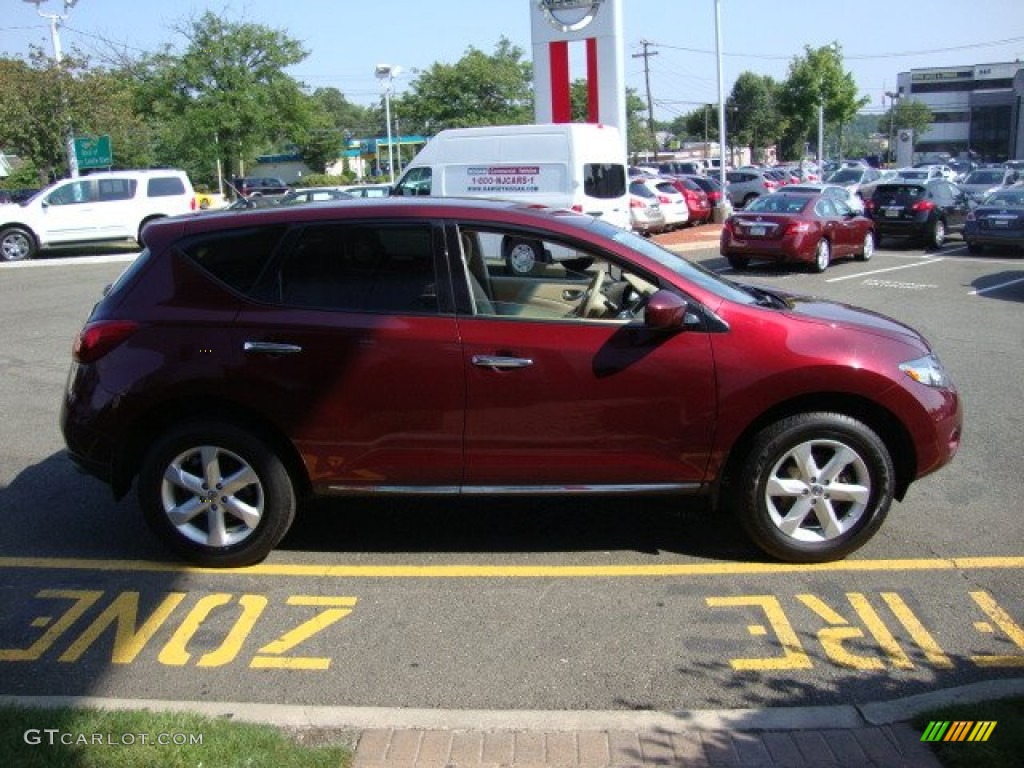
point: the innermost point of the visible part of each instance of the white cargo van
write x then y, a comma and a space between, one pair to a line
564, 165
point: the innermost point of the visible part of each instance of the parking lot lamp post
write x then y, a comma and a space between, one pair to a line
55, 20
892, 115
386, 74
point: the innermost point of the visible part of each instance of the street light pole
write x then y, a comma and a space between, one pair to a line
892, 114
386, 74
55, 20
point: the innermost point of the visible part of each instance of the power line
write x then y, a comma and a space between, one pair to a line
854, 57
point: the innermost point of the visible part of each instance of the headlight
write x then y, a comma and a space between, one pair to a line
928, 371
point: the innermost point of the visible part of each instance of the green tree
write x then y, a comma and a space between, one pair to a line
477, 90
816, 79
43, 101
225, 95
907, 113
753, 117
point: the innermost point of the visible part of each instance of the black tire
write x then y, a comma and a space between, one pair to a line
822, 256
936, 235
738, 263
974, 248
266, 497
17, 244
522, 257
769, 486
867, 249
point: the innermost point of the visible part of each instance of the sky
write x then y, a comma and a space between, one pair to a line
348, 38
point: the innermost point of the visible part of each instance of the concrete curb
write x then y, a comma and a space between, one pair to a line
367, 718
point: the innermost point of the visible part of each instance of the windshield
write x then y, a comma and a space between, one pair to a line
845, 175
985, 177
688, 270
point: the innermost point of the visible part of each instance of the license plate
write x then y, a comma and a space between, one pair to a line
892, 213
757, 231
999, 223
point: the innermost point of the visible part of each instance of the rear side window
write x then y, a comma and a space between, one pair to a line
116, 189
361, 268
238, 257
165, 186
604, 180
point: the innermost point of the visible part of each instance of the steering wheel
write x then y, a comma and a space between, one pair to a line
593, 300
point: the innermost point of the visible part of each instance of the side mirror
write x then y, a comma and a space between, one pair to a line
665, 311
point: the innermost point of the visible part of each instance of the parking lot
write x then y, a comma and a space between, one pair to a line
604, 603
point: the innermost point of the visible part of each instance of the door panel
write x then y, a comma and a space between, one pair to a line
597, 403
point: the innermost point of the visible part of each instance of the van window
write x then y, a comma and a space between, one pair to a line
604, 180
416, 182
165, 186
116, 189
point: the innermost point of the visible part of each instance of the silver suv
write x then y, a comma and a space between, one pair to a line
100, 207
748, 184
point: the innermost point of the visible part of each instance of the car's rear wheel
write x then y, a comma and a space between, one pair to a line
973, 247
737, 262
814, 487
216, 494
867, 249
936, 234
822, 256
17, 244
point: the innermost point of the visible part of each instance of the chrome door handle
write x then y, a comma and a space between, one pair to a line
499, 363
271, 348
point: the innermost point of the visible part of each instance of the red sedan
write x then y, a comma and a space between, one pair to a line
697, 201
810, 229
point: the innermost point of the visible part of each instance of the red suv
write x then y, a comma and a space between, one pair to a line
248, 359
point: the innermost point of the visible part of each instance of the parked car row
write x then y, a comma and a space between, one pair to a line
814, 224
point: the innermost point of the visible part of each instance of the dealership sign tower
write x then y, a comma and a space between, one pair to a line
597, 25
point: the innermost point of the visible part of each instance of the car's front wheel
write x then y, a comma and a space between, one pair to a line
216, 494
814, 487
17, 244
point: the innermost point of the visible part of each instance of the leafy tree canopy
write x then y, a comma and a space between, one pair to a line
478, 89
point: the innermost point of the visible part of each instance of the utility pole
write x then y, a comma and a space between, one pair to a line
646, 55
56, 19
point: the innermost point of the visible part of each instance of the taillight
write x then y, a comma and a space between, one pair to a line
193, 204
664, 199
637, 204
971, 216
97, 339
770, 184
578, 208
869, 206
797, 227
923, 205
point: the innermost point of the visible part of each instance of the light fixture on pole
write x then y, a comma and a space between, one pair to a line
55, 20
721, 96
386, 73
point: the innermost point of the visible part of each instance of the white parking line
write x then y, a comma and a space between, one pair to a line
980, 291
70, 261
923, 263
